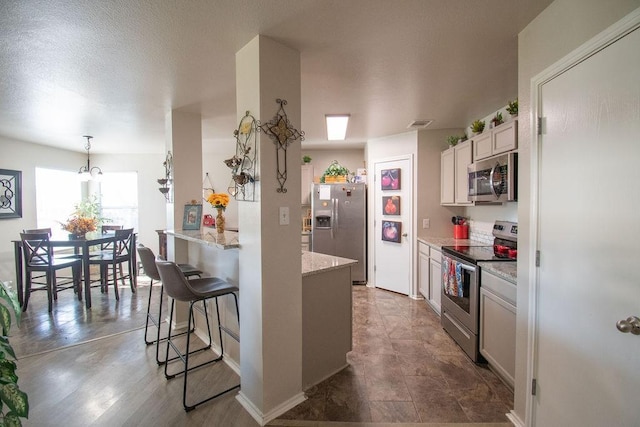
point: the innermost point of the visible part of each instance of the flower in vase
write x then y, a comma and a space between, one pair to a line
218, 200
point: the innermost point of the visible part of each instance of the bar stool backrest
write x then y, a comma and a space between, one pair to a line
174, 282
148, 260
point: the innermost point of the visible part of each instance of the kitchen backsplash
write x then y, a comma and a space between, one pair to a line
481, 231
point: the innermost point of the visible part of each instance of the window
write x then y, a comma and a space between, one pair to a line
57, 192
119, 198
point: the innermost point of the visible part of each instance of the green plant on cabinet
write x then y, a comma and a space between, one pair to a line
477, 126
512, 108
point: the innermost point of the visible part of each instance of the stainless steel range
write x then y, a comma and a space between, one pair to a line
461, 284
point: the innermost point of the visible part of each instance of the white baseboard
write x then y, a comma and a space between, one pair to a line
515, 420
263, 419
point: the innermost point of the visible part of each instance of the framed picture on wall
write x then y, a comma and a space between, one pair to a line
391, 231
391, 205
390, 179
10, 194
192, 217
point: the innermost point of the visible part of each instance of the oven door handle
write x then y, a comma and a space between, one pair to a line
467, 267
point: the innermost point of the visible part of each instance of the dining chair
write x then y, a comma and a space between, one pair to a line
193, 291
121, 252
48, 231
106, 248
39, 257
148, 260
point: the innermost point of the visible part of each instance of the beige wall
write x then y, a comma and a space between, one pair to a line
558, 30
321, 159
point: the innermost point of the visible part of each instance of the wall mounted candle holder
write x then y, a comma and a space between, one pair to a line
167, 182
243, 162
283, 134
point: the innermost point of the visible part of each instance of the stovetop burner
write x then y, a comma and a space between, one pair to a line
505, 246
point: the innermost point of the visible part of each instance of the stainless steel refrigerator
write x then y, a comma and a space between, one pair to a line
339, 218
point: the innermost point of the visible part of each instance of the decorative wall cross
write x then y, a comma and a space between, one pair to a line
282, 133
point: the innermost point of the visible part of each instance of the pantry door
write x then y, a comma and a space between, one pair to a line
393, 218
587, 372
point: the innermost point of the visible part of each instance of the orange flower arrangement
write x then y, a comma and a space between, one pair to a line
80, 225
218, 200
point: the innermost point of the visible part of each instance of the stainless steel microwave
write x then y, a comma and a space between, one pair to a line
494, 179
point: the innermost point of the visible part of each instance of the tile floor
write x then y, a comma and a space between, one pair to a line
403, 368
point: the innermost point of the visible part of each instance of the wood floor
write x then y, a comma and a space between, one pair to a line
84, 368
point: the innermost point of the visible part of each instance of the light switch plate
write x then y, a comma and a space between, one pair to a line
284, 215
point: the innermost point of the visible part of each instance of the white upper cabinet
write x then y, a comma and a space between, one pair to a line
454, 184
498, 140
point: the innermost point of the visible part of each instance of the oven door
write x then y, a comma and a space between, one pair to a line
460, 291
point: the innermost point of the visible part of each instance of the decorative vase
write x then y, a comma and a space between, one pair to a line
220, 221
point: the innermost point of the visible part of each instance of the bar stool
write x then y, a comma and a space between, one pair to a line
193, 291
148, 260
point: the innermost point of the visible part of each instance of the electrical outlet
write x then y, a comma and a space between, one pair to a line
284, 215
426, 223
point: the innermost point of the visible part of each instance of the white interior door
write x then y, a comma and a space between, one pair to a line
587, 372
393, 231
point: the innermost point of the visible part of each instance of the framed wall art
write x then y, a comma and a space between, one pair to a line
192, 217
391, 205
390, 179
391, 231
10, 194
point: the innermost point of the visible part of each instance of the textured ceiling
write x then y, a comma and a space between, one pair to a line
113, 69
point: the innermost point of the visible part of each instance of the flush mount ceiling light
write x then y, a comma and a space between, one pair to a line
337, 126
419, 124
87, 172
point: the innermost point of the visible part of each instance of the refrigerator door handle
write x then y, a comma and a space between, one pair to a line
335, 213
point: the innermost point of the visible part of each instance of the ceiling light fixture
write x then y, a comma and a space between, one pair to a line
337, 126
87, 172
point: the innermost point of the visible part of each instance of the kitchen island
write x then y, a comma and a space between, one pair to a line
326, 315
326, 301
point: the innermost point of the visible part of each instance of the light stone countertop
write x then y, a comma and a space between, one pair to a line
505, 270
316, 263
209, 236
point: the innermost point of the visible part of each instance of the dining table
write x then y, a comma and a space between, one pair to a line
81, 247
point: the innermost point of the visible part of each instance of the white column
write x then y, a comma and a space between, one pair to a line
270, 257
183, 133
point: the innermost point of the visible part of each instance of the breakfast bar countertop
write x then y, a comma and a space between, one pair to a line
316, 263
209, 237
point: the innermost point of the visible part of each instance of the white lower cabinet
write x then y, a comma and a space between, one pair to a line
498, 324
429, 275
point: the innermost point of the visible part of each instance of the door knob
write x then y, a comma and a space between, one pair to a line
632, 324
404, 235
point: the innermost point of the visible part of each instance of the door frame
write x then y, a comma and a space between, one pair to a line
413, 242
604, 39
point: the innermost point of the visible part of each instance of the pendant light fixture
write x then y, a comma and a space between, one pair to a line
87, 173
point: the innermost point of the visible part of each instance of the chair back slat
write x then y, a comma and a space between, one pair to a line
39, 230
122, 245
36, 248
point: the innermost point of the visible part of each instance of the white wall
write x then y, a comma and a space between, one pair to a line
557, 31
25, 156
